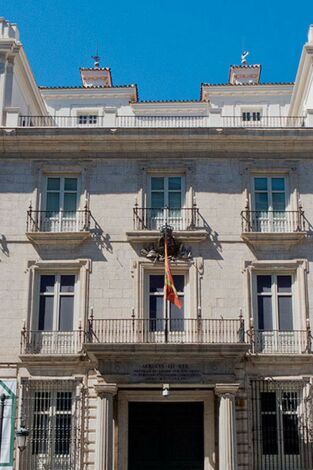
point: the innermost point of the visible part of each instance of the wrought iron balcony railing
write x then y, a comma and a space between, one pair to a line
51, 342
282, 342
272, 221
58, 221
173, 122
174, 331
155, 218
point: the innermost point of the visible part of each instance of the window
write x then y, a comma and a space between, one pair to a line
279, 425
56, 305
166, 199
165, 315
248, 116
51, 410
270, 204
54, 326
275, 320
274, 299
87, 119
61, 213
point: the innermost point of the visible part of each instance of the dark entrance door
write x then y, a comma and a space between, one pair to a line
165, 436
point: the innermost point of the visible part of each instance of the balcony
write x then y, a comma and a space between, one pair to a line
162, 331
51, 343
179, 121
64, 227
187, 224
282, 227
282, 342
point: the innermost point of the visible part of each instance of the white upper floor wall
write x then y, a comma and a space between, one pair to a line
244, 100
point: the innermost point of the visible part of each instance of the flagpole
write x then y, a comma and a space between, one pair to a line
166, 301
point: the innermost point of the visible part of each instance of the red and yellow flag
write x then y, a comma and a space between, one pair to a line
170, 291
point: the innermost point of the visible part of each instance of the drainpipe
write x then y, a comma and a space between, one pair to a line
2, 401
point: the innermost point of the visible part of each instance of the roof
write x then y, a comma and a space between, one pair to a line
95, 68
247, 84
169, 101
84, 87
242, 66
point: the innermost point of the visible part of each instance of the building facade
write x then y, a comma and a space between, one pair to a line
102, 372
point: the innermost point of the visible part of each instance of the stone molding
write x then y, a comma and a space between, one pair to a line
226, 390
104, 389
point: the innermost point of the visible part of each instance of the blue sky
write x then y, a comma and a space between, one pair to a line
167, 47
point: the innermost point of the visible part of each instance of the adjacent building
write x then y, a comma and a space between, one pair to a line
102, 372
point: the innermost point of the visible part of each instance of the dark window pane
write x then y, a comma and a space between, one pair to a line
40, 434
265, 313
67, 283
53, 203
47, 283
279, 202
291, 434
264, 283
156, 321
174, 201
157, 183
53, 184
278, 184
63, 430
289, 401
268, 401
64, 401
269, 434
179, 282
177, 317
42, 401
260, 184
157, 202
70, 184
174, 183
285, 313
46, 313
157, 283
66, 313
261, 202
284, 283
70, 202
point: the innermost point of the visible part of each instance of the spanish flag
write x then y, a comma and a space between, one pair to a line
170, 291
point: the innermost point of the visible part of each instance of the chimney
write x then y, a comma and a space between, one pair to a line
96, 77
310, 34
244, 74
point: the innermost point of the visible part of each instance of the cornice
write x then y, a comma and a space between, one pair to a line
254, 90
87, 93
134, 143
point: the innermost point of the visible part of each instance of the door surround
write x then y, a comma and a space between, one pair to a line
205, 396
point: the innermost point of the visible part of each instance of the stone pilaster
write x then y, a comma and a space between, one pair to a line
227, 446
105, 426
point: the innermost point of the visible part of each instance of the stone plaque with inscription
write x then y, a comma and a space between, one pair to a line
168, 371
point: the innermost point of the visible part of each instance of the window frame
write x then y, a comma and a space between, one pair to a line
81, 268
166, 176
88, 112
62, 385
269, 191
147, 294
143, 268
298, 268
61, 191
274, 299
57, 294
281, 459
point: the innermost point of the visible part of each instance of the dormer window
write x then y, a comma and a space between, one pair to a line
87, 119
251, 116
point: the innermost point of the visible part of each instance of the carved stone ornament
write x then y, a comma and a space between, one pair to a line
176, 250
